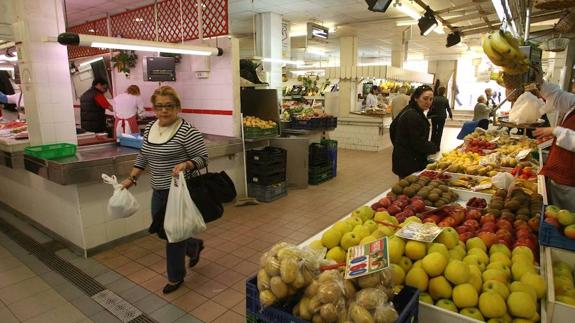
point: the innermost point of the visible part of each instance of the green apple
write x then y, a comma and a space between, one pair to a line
481, 254
331, 238
418, 264
475, 278
563, 284
566, 299
387, 230
495, 274
521, 287
475, 242
500, 266
349, 240
518, 269
537, 282
368, 239
364, 212
565, 218
439, 287
500, 248
457, 272
417, 278
465, 295
449, 237
370, 225
438, 247
354, 221
475, 261
343, 227
412, 218
463, 245
382, 216
397, 274
446, 304
378, 234
500, 257
316, 245
492, 305
496, 286
396, 248
521, 258
414, 249
523, 250
472, 312
434, 264
405, 263
454, 254
336, 254
521, 305
562, 268
361, 231
426, 298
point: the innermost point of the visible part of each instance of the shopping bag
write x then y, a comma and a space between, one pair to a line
526, 109
183, 220
122, 204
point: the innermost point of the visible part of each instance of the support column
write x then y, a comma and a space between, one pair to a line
398, 51
347, 88
269, 45
44, 71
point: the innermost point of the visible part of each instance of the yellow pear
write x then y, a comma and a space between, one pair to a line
415, 250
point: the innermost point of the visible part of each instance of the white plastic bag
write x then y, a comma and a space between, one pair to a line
122, 204
183, 220
526, 109
503, 180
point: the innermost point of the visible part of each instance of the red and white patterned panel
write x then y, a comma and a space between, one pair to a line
97, 27
135, 24
190, 19
215, 18
169, 22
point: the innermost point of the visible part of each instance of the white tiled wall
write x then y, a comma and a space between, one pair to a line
361, 137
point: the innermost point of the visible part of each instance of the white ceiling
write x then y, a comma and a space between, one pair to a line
376, 31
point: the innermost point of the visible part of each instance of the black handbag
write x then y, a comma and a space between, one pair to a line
221, 186
209, 206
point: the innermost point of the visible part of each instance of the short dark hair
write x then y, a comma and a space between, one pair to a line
441, 90
99, 80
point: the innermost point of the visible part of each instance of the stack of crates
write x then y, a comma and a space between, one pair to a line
320, 164
331, 153
266, 171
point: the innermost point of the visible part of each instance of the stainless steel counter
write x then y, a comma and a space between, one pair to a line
12, 152
91, 161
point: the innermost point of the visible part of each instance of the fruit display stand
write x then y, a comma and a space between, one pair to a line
557, 309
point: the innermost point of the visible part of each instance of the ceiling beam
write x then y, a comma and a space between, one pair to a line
480, 28
461, 6
470, 17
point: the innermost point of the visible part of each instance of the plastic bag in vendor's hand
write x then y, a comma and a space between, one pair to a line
122, 204
526, 109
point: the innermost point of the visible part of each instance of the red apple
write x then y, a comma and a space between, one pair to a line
428, 220
473, 214
466, 236
452, 222
522, 234
507, 216
381, 209
463, 228
391, 196
444, 224
488, 238
505, 242
408, 211
489, 227
375, 206
385, 202
504, 224
504, 234
570, 231
534, 223
419, 205
553, 222
551, 214
458, 214
472, 223
526, 243
393, 209
523, 226
517, 223
488, 218
403, 197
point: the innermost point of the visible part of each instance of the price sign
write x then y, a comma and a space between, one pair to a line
367, 259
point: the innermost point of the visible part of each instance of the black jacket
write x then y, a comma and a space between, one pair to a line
439, 108
409, 135
92, 116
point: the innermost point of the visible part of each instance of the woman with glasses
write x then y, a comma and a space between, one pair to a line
409, 134
171, 145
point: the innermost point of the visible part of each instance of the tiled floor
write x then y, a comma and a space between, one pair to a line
214, 291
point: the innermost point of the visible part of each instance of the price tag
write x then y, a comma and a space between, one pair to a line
367, 259
424, 232
494, 139
522, 154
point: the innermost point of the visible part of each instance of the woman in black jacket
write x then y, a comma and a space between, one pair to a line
409, 134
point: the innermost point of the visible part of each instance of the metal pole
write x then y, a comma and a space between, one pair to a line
527, 21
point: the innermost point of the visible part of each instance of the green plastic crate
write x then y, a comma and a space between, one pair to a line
318, 175
51, 151
252, 132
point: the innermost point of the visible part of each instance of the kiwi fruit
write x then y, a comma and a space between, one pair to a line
416, 187
513, 204
403, 183
523, 210
501, 193
495, 212
411, 178
433, 197
397, 189
428, 203
444, 188
439, 203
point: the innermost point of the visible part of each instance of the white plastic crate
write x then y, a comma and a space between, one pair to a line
558, 312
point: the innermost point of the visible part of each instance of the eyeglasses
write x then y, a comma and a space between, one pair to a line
168, 107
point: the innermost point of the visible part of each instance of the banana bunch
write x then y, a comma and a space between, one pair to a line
503, 50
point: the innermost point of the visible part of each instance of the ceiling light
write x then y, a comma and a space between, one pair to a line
316, 51
139, 20
282, 61
91, 61
134, 44
409, 11
503, 11
378, 5
427, 23
453, 39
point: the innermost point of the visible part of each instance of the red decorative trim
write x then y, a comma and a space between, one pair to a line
193, 111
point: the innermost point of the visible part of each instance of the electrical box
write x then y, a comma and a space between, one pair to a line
534, 55
157, 69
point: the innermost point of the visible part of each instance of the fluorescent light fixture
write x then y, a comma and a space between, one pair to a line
427, 23
409, 11
134, 44
373, 64
406, 23
316, 51
378, 5
282, 61
91, 61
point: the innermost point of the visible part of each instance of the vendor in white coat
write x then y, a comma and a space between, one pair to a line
128, 107
560, 165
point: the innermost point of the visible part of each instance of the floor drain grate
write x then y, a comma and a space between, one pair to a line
117, 305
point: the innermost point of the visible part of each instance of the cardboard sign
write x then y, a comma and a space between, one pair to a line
424, 232
367, 259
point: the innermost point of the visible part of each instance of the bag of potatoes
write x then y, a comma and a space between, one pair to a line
371, 305
284, 270
325, 298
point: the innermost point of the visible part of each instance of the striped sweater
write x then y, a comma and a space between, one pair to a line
186, 144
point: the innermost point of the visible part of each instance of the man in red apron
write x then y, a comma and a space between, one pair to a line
127, 107
559, 169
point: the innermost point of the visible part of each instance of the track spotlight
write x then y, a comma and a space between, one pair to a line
378, 5
427, 23
453, 39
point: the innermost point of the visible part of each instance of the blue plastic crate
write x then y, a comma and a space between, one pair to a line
551, 237
406, 304
133, 141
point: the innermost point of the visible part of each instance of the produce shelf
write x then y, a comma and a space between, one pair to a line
557, 311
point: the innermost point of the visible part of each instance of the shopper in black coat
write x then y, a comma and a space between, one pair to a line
409, 134
438, 113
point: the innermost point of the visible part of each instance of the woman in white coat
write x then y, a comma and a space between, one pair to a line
127, 107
